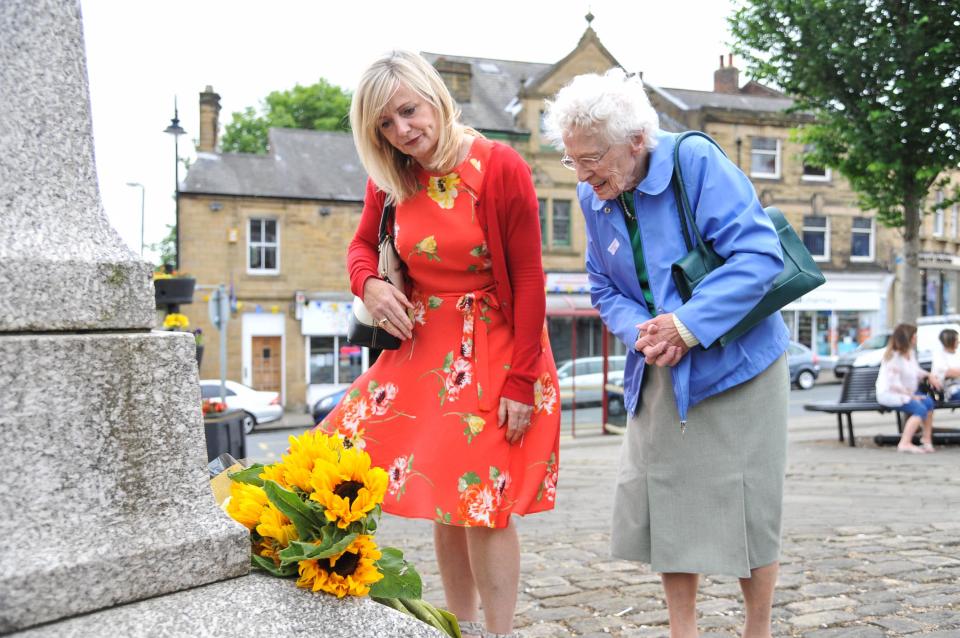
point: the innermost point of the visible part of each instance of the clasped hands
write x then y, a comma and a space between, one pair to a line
659, 341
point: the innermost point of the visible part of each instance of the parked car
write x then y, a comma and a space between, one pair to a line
615, 405
928, 342
260, 406
845, 360
804, 365
588, 380
325, 404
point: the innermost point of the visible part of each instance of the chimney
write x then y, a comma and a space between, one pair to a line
726, 79
209, 120
458, 76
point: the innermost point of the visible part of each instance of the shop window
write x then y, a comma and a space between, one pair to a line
561, 222
861, 239
816, 236
814, 173
543, 221
765, 157
333, 360
263, 247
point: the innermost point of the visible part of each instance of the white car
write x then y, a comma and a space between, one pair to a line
928, 342
260, 407
589, 378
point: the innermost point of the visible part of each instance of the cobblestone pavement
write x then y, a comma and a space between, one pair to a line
871, 547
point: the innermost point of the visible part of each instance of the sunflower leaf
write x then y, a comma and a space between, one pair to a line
400, 579
251, 475
300, 514
297, 551
268, 565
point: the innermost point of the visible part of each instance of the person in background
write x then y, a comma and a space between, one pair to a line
700, 485
946, 364
897, 384
465, 415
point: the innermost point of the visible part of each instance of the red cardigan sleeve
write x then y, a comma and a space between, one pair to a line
520, 225
362, 256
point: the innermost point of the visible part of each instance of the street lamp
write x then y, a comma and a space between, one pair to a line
143, 194
176, 130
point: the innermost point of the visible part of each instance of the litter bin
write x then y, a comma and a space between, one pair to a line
224, 434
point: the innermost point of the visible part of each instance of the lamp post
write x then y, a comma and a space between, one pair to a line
176, 130
143, 194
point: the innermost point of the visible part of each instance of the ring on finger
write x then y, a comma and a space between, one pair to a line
383, 322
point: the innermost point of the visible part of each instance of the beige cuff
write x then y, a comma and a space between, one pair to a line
685, 334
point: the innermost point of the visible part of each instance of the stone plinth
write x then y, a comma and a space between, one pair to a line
106, 498
62, 266
255, 605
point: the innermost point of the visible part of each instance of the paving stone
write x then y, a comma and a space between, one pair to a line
718, 606
580, 598
888, 568
546, 581
614, 566
555, 614
814, 605
878, 596
853, 530
644, 632
825, 589
879, 609
898, 624
822, 619
657, 617
936, 600
938, 618
726, 589
783, 597
544, 630
549, 592
846, 632
719, 622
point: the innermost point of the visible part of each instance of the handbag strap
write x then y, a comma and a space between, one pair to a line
680, 191
385, 217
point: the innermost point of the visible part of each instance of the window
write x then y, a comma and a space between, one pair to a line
816, 236
938, 217
333, 360
954, 220
861, 239
814, 173
765, 157
263, 247
543, 221
561, 222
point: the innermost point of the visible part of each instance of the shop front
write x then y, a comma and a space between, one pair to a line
842, 313
939, 278
331, 362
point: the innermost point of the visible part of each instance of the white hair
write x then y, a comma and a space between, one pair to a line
613, 106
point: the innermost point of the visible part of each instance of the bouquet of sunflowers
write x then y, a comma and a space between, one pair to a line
313, 516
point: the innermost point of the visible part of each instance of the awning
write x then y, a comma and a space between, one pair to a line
847, 292
570, 306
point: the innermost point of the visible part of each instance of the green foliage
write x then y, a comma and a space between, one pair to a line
881, 79
320, 107
400, 579
167, 247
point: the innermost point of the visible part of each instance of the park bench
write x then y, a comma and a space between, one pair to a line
859, 394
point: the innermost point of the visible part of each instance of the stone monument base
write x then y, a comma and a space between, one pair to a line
255, 605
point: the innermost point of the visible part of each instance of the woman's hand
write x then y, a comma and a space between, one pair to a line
386, 301
934, 382
516, 416
660, 342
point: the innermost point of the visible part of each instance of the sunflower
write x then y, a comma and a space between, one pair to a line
349, 572
246, 504
350, 489
274, 525
296, 467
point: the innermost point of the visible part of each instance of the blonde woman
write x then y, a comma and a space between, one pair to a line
465, 415
897, 383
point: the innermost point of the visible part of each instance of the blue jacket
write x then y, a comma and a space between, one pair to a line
728, 214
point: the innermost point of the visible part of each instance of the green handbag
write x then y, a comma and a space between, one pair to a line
800, 273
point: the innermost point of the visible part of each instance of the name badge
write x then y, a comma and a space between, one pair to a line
614, 246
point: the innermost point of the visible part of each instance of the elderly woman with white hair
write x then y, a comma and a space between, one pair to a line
700, 485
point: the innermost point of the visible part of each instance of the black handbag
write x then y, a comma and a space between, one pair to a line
800, 273
363, 329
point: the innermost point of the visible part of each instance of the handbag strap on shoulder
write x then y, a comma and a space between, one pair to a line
385, 218
684, 209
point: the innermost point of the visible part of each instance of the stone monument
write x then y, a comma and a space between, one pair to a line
105, 496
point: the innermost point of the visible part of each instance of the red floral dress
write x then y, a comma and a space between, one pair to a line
427, 412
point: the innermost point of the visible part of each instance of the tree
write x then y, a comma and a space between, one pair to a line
320, 107
167, 247
882, 80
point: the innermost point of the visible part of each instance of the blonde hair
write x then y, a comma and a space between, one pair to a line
390, 169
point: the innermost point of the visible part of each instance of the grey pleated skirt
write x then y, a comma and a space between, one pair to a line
709, 501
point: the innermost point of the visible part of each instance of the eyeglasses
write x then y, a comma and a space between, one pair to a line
587, 163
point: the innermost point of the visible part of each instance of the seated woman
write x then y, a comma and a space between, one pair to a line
897, 383
946, 364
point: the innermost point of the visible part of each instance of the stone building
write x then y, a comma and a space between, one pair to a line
274, 228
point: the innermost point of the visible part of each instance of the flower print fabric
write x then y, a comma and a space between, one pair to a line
427, 413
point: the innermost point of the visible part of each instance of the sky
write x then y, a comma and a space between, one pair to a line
142, 54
